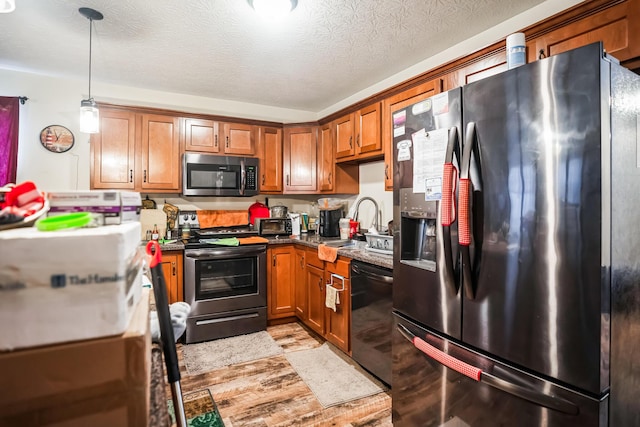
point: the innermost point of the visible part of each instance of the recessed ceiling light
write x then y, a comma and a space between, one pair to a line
7, 6
273, 9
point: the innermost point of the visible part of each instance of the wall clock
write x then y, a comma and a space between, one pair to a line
56, 138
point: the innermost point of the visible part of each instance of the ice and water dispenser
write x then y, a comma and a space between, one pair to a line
418, 231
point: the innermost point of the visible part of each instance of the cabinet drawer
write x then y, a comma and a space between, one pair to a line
341, 267
313, 259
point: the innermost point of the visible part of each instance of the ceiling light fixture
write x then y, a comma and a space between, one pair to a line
273, 9
89, 114
7, 6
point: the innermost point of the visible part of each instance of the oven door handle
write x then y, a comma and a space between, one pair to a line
226, 252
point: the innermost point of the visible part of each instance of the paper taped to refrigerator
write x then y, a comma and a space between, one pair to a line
429, 149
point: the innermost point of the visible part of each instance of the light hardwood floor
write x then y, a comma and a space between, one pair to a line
268, 392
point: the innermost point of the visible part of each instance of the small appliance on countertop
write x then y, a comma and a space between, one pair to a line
258, 210
330, 222
274, 226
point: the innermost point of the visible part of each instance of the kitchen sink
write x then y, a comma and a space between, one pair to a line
341, 244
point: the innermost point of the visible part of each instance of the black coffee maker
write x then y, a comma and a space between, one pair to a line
330, 222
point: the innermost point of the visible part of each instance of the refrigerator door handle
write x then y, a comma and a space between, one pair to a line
447, 215
465, 210
480, 375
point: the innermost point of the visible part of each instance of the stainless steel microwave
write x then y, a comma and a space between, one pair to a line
211, 175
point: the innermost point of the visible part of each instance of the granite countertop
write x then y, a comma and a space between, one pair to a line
357, 251
312, 240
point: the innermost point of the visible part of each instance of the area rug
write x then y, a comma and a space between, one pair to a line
211, 355
332, 376
199, 409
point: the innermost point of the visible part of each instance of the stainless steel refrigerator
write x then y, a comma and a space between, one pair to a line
517, 257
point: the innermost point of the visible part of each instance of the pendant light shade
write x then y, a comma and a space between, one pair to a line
7, 6
89, 113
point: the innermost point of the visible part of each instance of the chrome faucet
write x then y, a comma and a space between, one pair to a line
376, 224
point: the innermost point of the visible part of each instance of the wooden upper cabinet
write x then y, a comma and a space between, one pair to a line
300, 160
344, 127
136, 151
113, 151
270, 154
394, 103
160, 152
618, 27
367, 130
238, 138
201, 135
326, 160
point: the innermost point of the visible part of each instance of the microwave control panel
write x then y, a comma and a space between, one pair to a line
252, 178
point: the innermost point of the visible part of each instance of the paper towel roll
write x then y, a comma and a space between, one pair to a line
516, 50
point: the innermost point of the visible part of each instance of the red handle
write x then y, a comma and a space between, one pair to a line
464, 226
449, 175
449, 361
153, 249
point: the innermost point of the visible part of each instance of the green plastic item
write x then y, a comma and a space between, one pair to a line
227, 241
61, 222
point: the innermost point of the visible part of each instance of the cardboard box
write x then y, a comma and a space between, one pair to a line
101, 382
111, 207
67, 285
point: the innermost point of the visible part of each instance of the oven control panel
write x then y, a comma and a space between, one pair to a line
188, 218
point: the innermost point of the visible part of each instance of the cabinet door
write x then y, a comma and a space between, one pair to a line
270, 153
392, 104
201, 135
617, 27
301, 285
300, 157
338, 323
326, 161
172, 270
315, 305
344, 137
368, 141
239, 138
281, 298
160, 153
113, 151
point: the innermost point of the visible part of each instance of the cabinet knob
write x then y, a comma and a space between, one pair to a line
173, 268
145, 175
274, 260
287, 179
262, 179
216, 141
358, 140
227, 142
386, 171
541, 54
351, 142
130, 175
329, 177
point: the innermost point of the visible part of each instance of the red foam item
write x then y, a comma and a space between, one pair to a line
449, 175
464, 212
24, 199
449, 361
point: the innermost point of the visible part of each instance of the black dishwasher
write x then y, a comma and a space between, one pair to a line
371, 318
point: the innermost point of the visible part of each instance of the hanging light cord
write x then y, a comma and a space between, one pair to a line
90, 43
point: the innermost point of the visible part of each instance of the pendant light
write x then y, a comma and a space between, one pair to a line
89, 114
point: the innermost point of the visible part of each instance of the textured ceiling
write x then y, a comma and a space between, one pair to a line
325, 50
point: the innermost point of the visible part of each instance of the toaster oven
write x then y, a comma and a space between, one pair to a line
273, 226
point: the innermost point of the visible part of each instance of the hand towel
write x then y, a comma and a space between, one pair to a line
331, 297
228, 241
222, 218
252, 240
327, 253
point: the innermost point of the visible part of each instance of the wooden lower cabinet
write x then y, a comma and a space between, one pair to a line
338, 323
281, 273
315, 295
172, 270
301, 284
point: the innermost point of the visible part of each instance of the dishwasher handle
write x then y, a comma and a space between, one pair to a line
356, 269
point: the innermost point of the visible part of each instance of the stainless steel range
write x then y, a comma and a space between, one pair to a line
225, 285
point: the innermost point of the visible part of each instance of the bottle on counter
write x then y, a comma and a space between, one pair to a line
186, 232
155, 234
